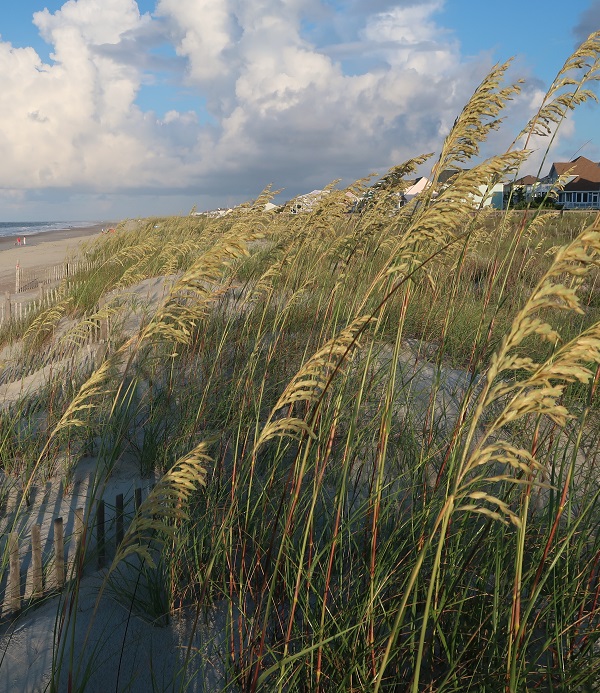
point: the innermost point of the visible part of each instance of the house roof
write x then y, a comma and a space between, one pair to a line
418, 186
585, 172
447, 174
582, 184
526, 180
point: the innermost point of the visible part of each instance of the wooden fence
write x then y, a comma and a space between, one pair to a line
78, 348
28, 279
18, 311
85, 353
31, 575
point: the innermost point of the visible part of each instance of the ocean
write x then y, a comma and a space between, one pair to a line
26, 228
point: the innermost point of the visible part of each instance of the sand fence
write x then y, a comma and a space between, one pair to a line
28, 279
41, 557
15, 310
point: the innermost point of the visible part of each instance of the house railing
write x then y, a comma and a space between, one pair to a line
581, 205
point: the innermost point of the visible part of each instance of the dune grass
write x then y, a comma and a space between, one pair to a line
377, 431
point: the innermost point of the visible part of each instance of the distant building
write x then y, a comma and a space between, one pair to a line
307, 202
582, 189
415, 188
521, 190
213, 213
527, 189
487, 196
490, 196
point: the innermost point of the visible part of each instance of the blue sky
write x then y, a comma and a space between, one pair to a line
116, 108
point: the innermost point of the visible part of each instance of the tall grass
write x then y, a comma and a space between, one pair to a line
378, 431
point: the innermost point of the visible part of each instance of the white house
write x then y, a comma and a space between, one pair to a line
417, 187
490, 197
487, 197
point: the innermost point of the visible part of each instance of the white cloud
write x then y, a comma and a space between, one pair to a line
411, 40
202, 30
72, 123
95, 21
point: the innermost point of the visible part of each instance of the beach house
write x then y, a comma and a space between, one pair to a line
582, 187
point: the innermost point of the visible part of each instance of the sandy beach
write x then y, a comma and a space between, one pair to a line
42, 250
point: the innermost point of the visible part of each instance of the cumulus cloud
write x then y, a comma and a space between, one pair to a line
59, 118
282, 107
589, 22
205, 30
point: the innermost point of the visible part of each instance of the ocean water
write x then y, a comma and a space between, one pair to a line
26, 228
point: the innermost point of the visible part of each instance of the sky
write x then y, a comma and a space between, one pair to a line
113, 109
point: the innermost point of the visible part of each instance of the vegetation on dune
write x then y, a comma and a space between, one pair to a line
377, 431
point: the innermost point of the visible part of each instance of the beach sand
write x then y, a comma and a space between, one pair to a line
42, 250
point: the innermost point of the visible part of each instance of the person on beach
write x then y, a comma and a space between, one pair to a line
18, 240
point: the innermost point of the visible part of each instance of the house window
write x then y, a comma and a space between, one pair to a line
584, 197
568, 197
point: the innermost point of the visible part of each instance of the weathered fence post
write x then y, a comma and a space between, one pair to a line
36, 562
119, 518
138, 498
14, 573
18, 278
101, 352
79, 543
7, 306
103, 322
59, 552
100, 532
